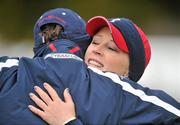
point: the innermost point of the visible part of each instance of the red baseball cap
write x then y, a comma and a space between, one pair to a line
96, 23
129, 38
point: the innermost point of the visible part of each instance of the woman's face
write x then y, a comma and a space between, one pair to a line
103, 54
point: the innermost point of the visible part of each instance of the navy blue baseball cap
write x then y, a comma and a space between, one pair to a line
74, 27
129, 38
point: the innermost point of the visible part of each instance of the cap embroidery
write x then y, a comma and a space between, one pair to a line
116, 19
63, 13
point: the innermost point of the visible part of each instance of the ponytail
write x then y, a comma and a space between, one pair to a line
50, 32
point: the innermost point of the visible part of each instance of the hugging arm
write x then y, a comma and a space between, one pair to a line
54, 110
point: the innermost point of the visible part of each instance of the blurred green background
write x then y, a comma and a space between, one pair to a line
155, 17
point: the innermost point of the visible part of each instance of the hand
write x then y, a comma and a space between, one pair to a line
53, 110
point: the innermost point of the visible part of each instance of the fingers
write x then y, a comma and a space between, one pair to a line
36, 111
67, 96
44, 96
38, 101
52, 92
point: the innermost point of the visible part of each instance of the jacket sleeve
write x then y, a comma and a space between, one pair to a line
75, 122
148, 106
140, 105
8, 68
7, 62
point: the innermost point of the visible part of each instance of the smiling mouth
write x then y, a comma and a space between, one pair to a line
94, 63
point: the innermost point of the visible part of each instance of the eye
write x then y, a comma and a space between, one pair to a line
112, 49
94, 42
111, 46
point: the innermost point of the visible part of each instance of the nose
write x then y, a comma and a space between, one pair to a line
98, 49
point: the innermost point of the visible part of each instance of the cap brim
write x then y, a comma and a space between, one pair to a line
98, 22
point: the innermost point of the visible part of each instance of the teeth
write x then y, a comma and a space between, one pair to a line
95, 63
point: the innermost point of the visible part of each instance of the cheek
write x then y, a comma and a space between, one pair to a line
111, 63
118, 65
123, 66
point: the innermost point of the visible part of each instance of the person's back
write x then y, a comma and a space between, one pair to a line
28, 73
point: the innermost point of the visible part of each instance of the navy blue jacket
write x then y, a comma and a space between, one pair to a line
100, 98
